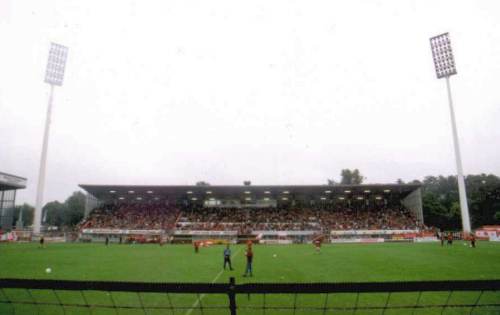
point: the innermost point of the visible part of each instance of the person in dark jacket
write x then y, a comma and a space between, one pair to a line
227, 258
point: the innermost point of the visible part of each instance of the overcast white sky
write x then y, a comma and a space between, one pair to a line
277, 92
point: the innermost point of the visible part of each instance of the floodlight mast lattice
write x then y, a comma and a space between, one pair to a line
54, 75
444, 64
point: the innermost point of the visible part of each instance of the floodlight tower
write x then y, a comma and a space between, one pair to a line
54, 75
445, 67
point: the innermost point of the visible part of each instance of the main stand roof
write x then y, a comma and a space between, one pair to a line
186, 192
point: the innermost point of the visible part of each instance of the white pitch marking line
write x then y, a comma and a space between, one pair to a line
198, 300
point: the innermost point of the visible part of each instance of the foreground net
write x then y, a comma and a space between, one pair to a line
20, 296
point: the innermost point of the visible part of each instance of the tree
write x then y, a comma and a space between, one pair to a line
202, 183
27, 213
75, 208
436, 214
400, 181
441, 205
483, 194
331, 182
497, 216
349, 177
53, 213
68, 213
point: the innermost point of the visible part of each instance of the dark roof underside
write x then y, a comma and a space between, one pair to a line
132, 192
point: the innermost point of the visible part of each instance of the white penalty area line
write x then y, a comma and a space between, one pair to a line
198, 300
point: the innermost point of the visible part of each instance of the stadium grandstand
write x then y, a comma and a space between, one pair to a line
267, 214
9, 184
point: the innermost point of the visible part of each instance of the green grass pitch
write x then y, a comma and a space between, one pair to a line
279, 263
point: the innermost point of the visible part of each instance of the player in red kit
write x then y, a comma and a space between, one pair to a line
317, 243
249, 256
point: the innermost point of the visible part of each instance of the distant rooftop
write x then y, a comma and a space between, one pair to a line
10, 182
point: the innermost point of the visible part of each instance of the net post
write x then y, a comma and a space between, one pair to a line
356, 304
142, 304
170, 304
386, 303
199, 302
326, 304
232, 296
264, 305
295, 303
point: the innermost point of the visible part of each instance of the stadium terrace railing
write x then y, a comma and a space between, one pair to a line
23, 296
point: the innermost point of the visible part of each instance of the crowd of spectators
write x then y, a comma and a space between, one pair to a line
246, 220
131, 216
395, 218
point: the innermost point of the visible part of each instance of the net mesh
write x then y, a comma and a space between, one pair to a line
81, 297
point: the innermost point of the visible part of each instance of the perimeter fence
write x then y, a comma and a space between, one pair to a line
23, 296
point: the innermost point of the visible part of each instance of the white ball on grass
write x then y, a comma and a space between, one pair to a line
48, 270
275, 255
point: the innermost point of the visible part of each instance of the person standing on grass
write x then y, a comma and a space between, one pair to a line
107, 240
450, 239
227, 258
317, 244
42, 242
472, 240
248, 268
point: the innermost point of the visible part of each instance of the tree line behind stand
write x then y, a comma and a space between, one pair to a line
440, 199
55, 213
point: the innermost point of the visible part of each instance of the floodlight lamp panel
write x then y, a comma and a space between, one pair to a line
56, 64
442, 54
